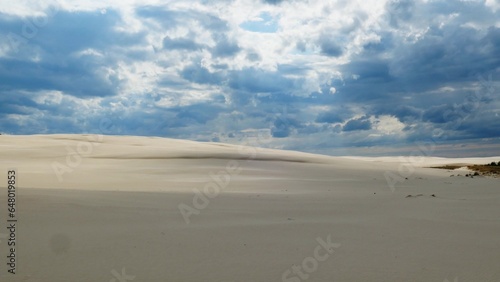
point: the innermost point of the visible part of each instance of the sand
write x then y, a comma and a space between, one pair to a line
124, 208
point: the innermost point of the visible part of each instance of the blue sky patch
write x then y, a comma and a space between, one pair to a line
265, 24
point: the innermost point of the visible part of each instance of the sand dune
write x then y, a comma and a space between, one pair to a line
98, 208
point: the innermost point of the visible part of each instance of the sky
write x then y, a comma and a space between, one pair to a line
388, 77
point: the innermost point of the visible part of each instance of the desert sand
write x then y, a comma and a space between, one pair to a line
124, 208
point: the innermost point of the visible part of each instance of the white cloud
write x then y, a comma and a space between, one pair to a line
49, 97
387, 125
493, 4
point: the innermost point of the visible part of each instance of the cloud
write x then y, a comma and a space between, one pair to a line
198, 74
76, 78
362, 123
224, 46
180, 43
273, 2
400, 11
259, 81
157, 12
200, 113
253, 56
53, 56
326, 77
280, 129
329, 47
69, 32
329, 117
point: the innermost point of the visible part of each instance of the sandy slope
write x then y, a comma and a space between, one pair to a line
90, 210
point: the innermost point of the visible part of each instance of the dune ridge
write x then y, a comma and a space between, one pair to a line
66, 161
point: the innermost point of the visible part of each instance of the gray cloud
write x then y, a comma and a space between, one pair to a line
56, 44
399, 11
329, 117
197, 73
180, 43
329, 47
273, 2
225, 47
362, 123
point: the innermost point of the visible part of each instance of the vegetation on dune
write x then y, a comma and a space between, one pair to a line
488, 169
491, 169
451, 167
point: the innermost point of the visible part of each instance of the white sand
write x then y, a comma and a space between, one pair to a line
117, 208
